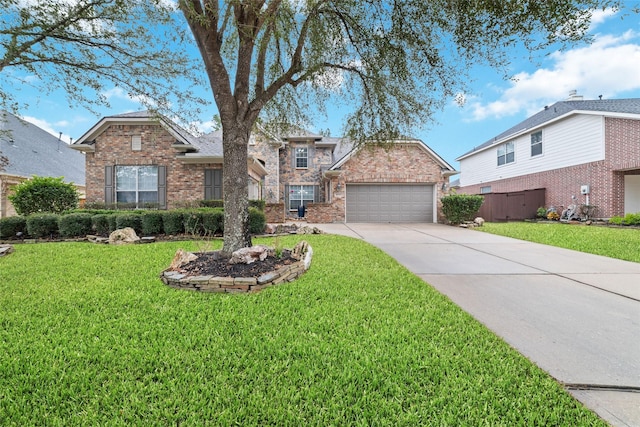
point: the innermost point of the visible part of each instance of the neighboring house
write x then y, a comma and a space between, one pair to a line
582, 152
139, 158
33, 151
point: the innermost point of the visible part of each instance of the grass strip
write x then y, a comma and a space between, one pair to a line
90, 336
613, 242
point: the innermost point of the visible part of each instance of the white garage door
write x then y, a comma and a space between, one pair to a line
389, 203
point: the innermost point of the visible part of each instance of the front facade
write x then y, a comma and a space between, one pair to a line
27, 151
582, 152
146, 161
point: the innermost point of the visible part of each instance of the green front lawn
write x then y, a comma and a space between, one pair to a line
90, 336
612, 242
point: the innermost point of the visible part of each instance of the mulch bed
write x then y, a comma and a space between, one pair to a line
208, 265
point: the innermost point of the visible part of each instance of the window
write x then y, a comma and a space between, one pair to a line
137, 185
506, 154
485, 190
536, 143
300, 195
302, 158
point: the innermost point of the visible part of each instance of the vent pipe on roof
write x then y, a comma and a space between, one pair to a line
573, 96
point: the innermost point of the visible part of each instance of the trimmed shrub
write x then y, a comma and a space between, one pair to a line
257, 221
193, 223
75, 225
151, 223
211, 203
100, 223
213, 221
112, 222
129, 220
11, 226
172, 222
42, 225
458, 208
631, 219
44, 194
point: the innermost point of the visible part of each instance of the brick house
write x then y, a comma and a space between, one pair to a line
583, 152
31, 151
139, 158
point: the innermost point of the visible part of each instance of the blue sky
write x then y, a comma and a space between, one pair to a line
610, 67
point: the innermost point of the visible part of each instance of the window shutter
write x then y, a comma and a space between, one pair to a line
293, 157
162, 187
311, 152
217, 184
316, 193
213, 184
208, 184
108, 185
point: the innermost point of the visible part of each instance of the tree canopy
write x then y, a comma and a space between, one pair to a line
85, 47
393, 63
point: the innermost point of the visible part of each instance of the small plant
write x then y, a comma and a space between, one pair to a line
277, 247
129, 220
553, 216
541, 212
615, 220
257, 221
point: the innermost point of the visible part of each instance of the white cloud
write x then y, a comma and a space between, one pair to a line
52, 128
607, 67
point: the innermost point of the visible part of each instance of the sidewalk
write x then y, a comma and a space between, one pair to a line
575, 315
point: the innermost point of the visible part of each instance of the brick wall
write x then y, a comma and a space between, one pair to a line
185, 182
274, 213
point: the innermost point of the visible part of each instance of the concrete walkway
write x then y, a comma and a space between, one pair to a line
575, 315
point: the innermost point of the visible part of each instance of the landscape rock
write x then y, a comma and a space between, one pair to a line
181, 258
6, 250
250, 255
308, 230
97, 239
300, 250
479, 221
123, 236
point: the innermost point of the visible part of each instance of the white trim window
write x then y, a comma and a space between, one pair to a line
485, 189
137, 185
302, 157
300, 195
536, 143
506, 153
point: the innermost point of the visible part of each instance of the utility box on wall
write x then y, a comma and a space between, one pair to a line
584, 189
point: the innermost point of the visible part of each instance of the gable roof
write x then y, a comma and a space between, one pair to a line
562, 109
349, 149
86, 141
34, 151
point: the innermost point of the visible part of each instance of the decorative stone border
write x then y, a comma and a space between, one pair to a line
284, 274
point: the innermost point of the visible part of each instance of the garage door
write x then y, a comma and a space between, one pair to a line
389, 203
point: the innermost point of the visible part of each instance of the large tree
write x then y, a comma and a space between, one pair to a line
393, 62
86, 47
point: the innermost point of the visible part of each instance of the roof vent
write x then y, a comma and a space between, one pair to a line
573, 96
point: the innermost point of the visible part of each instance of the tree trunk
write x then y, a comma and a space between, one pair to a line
235, 182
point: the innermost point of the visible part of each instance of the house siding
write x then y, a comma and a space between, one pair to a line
559, 150
617, 139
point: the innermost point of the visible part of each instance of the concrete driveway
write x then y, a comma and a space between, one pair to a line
575, 315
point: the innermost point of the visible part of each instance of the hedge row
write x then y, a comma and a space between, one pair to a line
200, 222
99, 206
